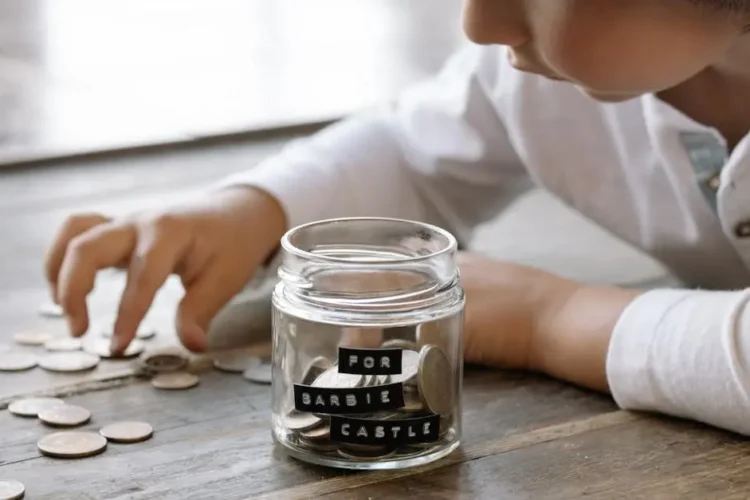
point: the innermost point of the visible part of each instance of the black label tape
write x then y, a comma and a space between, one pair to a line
385, 432
369, 361
357, 400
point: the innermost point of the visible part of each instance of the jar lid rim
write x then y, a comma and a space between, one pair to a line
288, 247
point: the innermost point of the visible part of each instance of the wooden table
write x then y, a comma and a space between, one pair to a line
524, 436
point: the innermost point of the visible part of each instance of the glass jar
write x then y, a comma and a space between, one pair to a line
367, 351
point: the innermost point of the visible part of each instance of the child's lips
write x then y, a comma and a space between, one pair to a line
527, 66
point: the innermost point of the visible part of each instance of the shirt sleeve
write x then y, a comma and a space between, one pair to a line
685, 353
439, 154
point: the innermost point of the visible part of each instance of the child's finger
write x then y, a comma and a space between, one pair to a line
155, 258
72, 227
102, 246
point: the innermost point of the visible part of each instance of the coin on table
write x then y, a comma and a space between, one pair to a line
365, 452
4, 347
127, 432
175, 381
315, 369
14, 361
300, 421
64, 344
65, 416
234, 362
11, 490
400, 344
164, 360
31, 407
332, 378
429, 334
143, 333
409, 368
261, 373
75, 361
435, 381
31, 337
102, 348
51, 310
72, 444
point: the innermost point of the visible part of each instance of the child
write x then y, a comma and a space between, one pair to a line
635, 113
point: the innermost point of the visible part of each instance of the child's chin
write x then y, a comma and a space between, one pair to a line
608, 96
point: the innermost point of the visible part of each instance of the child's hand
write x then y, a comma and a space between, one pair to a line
214, 245
506, 305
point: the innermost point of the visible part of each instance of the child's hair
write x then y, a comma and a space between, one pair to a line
737, 6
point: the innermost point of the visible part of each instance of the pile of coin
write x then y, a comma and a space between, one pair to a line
428, 389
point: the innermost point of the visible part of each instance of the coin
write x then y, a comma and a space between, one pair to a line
4, 347
319, 446
72, 444
260, 374
143, 333
51, 310
332, 378
65, 416
412, 402
299, 421
400, 344
127, 432
163, 361
315, 369
409, 368
31, 337
64, 344
69, 361
318, 433
14, 361
365, 452
11, 490
102, 348
31, 407
435, 381
234, 362
175, 381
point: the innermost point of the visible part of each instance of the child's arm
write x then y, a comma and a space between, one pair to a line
440, 154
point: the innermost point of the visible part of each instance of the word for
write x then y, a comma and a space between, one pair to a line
369, 361
358, 400
385, 432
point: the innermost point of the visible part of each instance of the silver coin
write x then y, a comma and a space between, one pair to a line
51, 310
69, 361
175, 381
435, 381
163, 361
65, 416
315, 369
319, 433
400, 344
300, 421
31, 407
332, 378
127, 432
364, 452
102, 348
5, 347
412, 402
429, 334
11, 490
31, 337
14, 361
409, 368
64, 344
261, 373
72, 444
143, 333
234, 362
318, 446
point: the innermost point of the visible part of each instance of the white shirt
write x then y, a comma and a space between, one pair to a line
457, 149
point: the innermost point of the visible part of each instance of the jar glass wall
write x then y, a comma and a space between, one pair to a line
367, 352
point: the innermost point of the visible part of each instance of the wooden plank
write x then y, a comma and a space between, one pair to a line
214, 441
648, 459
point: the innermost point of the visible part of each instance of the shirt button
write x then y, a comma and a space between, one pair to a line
742, 230
714, 182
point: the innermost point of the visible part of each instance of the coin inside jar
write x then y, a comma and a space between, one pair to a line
72, 444
12, 361
332, 378
11, 490
435, 381
127, 432
315, 369
65, 416
299, 421
31, 407
399, 344
409, 368
365, 452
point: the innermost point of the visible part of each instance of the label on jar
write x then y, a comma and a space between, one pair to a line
376, 361
333, 400
385, 432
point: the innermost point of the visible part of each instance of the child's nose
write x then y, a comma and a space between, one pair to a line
500, 22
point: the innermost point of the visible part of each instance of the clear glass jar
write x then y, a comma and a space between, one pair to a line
367, 352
